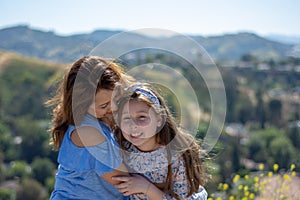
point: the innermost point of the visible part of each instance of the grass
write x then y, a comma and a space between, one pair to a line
261, 185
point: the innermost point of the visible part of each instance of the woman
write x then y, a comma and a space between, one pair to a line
82, 123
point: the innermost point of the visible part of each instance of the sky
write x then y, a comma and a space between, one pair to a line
194, 17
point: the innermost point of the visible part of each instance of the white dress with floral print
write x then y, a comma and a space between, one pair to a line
154, 166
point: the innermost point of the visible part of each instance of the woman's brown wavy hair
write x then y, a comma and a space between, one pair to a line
76, 92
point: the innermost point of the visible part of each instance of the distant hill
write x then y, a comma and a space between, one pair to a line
50, 46
286, 39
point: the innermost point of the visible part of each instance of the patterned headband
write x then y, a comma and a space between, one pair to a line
147, 93
150, 95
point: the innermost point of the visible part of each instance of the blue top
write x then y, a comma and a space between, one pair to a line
80, 168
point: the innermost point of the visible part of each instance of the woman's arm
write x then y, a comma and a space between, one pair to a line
88, 136
121, 171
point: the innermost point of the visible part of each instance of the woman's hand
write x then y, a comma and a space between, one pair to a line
132, 184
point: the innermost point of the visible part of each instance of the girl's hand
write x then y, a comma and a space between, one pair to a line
132, 184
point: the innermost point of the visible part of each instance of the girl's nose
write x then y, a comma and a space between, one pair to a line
133, 125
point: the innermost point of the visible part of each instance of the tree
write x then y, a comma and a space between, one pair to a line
260, 111
7, 194
30, 189
294, 135
18, 169
275, 112
271, 146
6, 144
35, 139
42, 168
248, 58
282, 152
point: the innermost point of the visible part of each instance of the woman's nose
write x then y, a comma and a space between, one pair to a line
108, 108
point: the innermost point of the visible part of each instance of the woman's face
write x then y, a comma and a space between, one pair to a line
139, 124
101, 107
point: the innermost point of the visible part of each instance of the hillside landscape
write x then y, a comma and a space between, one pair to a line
50, 46
259, 141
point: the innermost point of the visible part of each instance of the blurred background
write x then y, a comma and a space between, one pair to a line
255, 46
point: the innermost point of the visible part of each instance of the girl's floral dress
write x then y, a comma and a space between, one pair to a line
154, 166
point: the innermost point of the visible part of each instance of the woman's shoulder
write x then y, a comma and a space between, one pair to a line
85, 136
90, 132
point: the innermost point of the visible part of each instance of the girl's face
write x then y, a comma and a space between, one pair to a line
101, 108
139, 124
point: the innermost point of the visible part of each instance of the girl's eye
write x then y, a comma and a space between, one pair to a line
142, 118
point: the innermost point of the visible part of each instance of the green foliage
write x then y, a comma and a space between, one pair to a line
23, 86
35, 139
7, 148
18, 169
271, 146
282, 151
49, 184
275, 112
2, 172
42, 168
31, 189
7, 194
294, 135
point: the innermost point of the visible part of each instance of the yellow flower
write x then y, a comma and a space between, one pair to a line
236, 178
270, 174
209, 198
251, 196
246, 177
246, 188
231, 198
286, 177
261, 166
256, 179
293, 166
282, 196
240, 187
293, 174
225, 186
219, 198
275, 167
246, 193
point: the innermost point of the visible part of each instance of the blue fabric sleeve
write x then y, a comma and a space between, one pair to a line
102, 158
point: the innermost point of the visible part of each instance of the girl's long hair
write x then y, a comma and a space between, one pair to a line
90, 73
174, 138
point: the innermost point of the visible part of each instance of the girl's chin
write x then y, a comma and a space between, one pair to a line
136, 142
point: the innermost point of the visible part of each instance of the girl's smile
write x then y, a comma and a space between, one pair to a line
139, 123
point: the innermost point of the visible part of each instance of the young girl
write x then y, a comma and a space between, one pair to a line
168, 159
82, 121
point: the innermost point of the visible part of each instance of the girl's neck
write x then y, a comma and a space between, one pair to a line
149, 147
